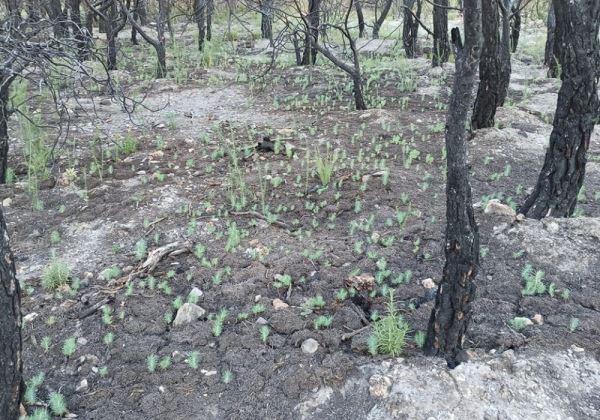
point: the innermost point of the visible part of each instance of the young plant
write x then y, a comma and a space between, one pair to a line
217, 328
69, 346
151, 362
390, 331
194, 359
55, 275
264, 333
534, 282
57, 404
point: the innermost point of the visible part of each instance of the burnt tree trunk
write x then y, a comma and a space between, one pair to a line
488, 95
210, 9
550, 57
452, 312
11, 361
78, 30
515, 26
111, 36
200, 17
159, 47
379, 20
441, 47
5, 82
505, 64
410, 27
361, 18
266, 19
561, 178
312, 32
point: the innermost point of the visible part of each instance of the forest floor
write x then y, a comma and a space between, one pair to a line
245, 218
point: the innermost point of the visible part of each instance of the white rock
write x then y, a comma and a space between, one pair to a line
494, 206
279, 304
309, 346
196, 292
83, 386
30, 316
552, 227
538, 319
261, 321
188, 313
7, 202
379, 386
82, 341
428, 283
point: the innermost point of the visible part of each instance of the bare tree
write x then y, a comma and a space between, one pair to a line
381, 18
311, 37
410, 28
577, 110
266, 19
361, 18
441, 46
450, 316
550, 52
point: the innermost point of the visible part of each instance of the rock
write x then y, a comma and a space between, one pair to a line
30, 317
577, 349
379, 386
82, 386
279, 304
494, 206
310, 346
286, 322
82, 341
196, 292
520, 217
261, 321
188, 313
428, 283
552, 228
362, 282
7, 202
538, 319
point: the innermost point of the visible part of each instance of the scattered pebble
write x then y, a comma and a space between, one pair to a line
428, 283
279, 304
82, 386
7, 202
494, 206
379, 386
188, 313
310, 346
196, 292
538, 319
261, 321
30, 317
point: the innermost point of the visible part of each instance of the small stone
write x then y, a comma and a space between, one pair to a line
188, 313
494, 206
7, 202
30, 317
161, 389
577, 349
279, 304
82, 341
379, 386
428, 283
257, 298
196, 292
538, 319
128, 269
552, 228
261, 321
520, 217
310, 346
83, 386
208, 372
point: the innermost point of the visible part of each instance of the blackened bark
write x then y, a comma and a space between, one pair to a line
312, 32
11, 361
210, 9
78, 30
410, 27
200, 16
159, 47
5, 82
550, 57
136, 16
111, 36
577, 109
488, 95
266, 19
515, 26
441, 47
452, 312
505, 64
381, 18
59, 21
361, 18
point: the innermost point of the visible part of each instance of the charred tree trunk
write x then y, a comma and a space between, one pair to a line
135, 16
441, 47
379, 20
488, 95
452, 312
505, 64
78, 30
550, 57
59, 21
515, 26
200, 15
266, 19
11, 360
561, 178
4, 116
210, 9
410, 28
312, 32
161, 54
111, 36
361, 18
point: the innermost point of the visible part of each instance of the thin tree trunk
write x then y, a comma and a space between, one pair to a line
550, 57
312, 33
505, 64
410, 28
450, 317
78, 30
488, 95
11, 360
379, 20
266, 19
515, 28
111, 36
562, 175
199, 15
441, 47
4, 139
161, 54
210, 10
361, 18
